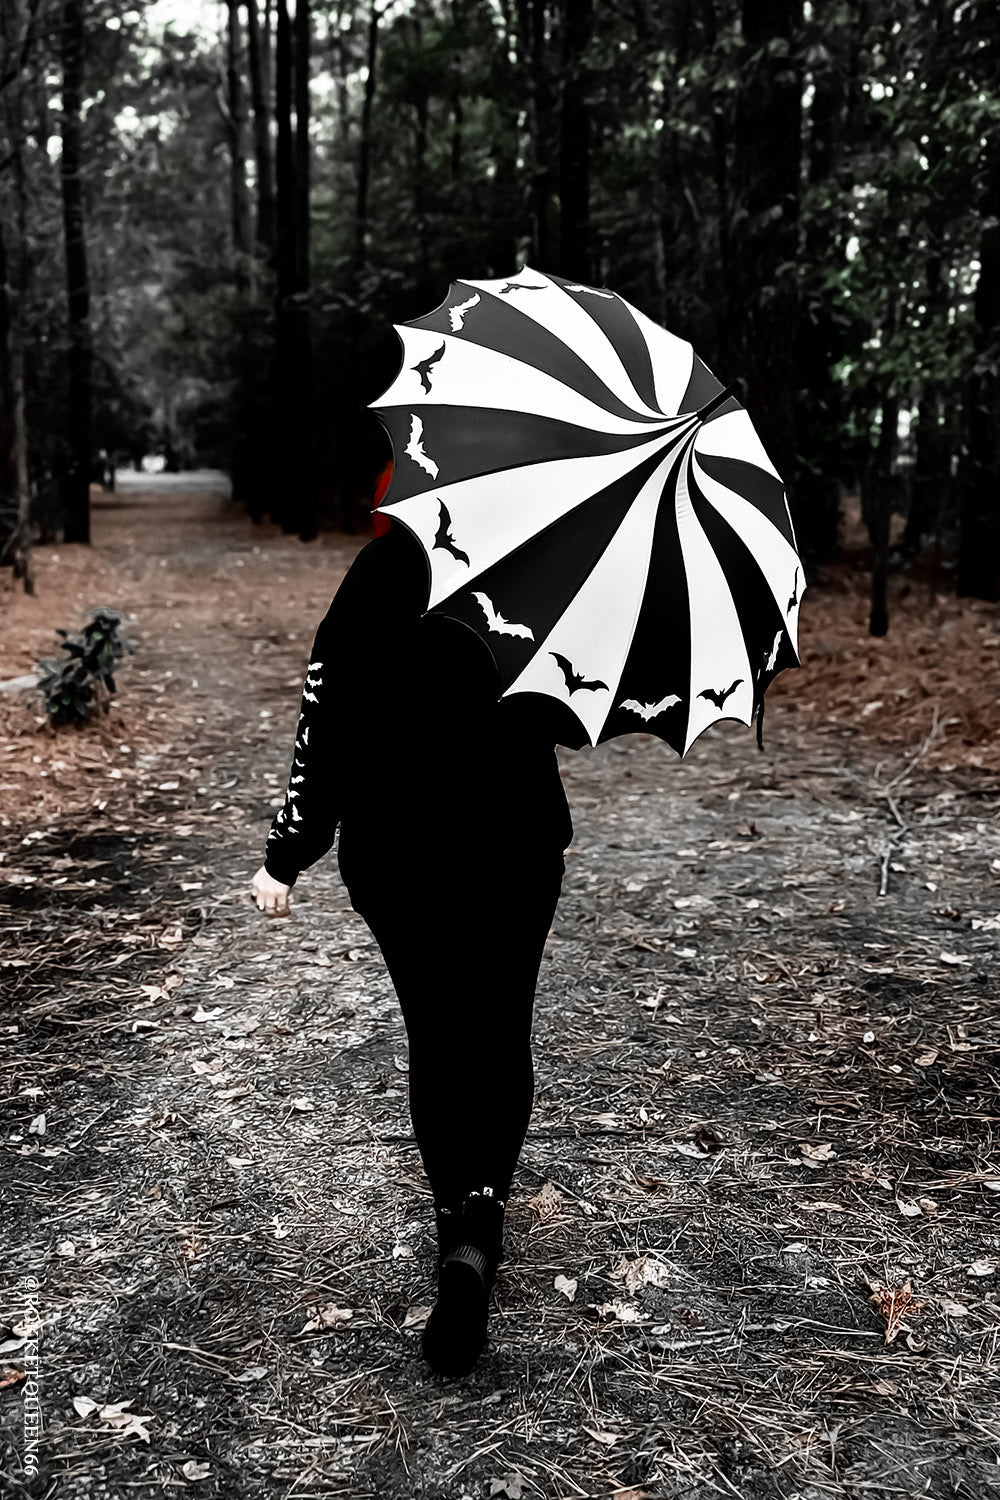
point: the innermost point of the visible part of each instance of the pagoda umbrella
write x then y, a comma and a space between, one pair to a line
595, 505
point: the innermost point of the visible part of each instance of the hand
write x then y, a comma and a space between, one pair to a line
270, 895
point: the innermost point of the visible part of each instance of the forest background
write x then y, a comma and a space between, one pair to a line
211, 215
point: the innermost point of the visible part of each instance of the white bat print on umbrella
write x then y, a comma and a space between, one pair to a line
595, 505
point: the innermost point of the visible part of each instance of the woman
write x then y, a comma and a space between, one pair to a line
453, 822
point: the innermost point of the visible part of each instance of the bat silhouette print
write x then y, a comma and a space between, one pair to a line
415, 448
443, 537
647, 711
795, 594
424, 367
496, 621
460, 312
309, 697
718, 696
520, 286
773, 655
575, 680
577, 287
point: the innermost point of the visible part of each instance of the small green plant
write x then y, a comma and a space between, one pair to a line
76, 687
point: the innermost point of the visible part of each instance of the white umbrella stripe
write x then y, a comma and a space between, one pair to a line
777, 560
721, 677
582, 658
499, 382
732, 435
562, 316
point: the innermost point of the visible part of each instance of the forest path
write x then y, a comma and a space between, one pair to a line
760, 1087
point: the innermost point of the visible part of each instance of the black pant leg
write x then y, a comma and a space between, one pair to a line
464, 962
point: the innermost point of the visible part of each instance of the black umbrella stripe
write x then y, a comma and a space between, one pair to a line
754, 484
461, 442
504, 601
761, 620
656, 679
502, 327
702, 388
615, 320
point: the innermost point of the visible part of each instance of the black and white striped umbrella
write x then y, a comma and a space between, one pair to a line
595, 504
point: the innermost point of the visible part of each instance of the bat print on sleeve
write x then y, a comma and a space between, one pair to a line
303, 829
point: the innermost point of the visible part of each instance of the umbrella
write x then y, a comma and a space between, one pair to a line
595, 504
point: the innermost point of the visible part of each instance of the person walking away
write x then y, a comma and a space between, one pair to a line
453, 825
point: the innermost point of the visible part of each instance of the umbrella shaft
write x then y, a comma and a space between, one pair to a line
715, 403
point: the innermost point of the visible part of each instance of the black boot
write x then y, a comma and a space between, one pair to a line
456, 1329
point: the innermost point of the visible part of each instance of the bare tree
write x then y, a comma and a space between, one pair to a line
76, 474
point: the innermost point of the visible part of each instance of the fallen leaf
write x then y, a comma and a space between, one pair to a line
508, 1488
708, 1138
951, 1308
252, 1375
37, 1126
12, 1375
567, 1285
327, 1317
195, 1470
926, 1059
119, 1419
623, 1311
302, 1105
83, 1406
646, 1271
954, 959
547, 1202
201, 1014
416, 1316
893, 1304
986, 1266
608, 1439
815, 1153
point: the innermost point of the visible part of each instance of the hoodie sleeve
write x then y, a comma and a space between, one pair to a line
304, 827
383, 587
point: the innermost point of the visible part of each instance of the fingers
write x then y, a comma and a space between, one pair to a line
270, 898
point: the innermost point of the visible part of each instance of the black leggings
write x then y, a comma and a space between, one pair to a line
464, 962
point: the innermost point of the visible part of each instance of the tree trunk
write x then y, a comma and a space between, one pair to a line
284, 479
14, 552
542, 133
979, 538
76, 475
236, 121
421, 131
880, 514
260, 89
307, 509
360, 256
764, 221
819, 468
574, 143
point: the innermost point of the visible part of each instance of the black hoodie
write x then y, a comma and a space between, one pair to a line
404, 741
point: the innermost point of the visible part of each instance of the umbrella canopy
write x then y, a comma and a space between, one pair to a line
595, 505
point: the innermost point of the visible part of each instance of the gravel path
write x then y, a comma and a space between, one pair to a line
753, 1249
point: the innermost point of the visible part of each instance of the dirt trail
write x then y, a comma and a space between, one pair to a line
762, 1089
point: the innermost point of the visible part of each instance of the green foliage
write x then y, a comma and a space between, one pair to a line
75, 688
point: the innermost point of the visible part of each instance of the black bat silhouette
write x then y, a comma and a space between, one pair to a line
444, 538
574, 679
424, 367
795, 594
719, 696
519, 286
